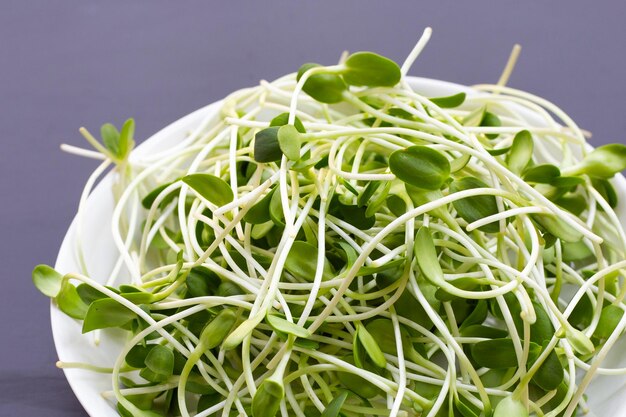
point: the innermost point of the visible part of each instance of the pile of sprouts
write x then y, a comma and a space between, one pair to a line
334, 243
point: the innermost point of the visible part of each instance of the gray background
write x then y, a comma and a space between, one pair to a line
65, 64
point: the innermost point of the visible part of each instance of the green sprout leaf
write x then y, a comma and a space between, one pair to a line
110, 138
499, 353
371, 347
136, 356
510, 407
89, 294
490, 120
521, 152
333, 407
283, 119
370, 69
160, 363
557, 227
260, 212
127, 142
609, 319
579, 341
420, 166
606, 189
105, 313
119, 144
266, 401
70, 302
543, 174
603, 162
550, 373
218, 328
302, 262
426, 255
475, 208
284, 326
289, 142
266, 146
454, 100
210, 187
357, 384
47, 280
325, 88
148, 200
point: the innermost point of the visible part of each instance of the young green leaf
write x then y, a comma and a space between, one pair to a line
210, 187
160, 360
333, 407
499, 151
47, 280
355, 383
289, 142
466, 408
370, 69
521, 152
609, 319
70, 302
218, 328
426, 256
201, 282
325, 88
446, 102
285, 326
207, 401
370, 270
371, 347
474, 117
367, 193
105, 313
260, 212
148, 200
283, 119
110, 138
136, 356
266, 146
490, 120
420, 166
266, 401
557, 227
603, 162
606, 189
498, 353
550, 373
567, 182
88, 294
475, 208
543, 174
356, 216
459, 163
302, 262
126, 141
579, 341
479, 330
478, 314
510, 407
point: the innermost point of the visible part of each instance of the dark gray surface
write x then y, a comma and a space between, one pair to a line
64, 64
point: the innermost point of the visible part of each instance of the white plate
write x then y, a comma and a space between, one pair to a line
605, 393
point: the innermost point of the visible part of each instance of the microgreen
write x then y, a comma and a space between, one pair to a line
370, 69
347, 268
454, 100
326, 88
420, 166
210, 187
521, 152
